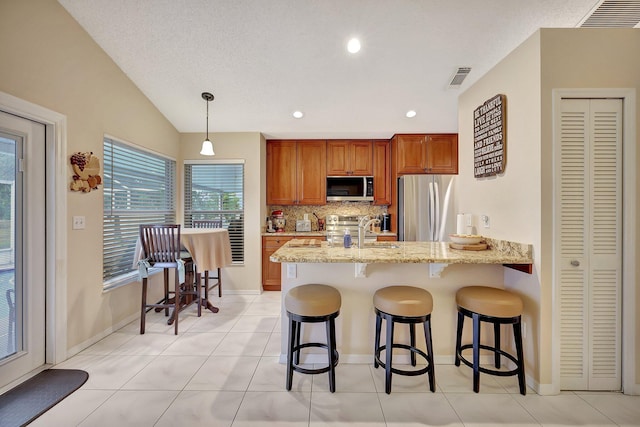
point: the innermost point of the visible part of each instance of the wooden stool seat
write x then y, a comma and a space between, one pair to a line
312, 304
410, 305
498, 307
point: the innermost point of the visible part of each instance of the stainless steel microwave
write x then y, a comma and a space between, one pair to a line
349, 188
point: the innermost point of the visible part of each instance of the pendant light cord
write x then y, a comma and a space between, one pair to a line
207, 97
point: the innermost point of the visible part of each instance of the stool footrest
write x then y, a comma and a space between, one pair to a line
489, 370
322, 370
403, 371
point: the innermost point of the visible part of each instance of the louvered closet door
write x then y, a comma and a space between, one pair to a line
588, 243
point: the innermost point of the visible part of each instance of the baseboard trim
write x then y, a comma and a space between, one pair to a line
94, 339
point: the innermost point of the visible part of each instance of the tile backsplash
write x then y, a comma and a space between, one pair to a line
292, 213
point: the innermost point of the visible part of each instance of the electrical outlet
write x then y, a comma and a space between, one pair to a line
292, 271
78, 223
524, 330
485, 221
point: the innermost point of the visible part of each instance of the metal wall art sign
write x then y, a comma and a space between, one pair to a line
490, 137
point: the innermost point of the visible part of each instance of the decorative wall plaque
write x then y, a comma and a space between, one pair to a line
490, 137
86, 172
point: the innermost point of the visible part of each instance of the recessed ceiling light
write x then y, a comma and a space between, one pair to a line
411, 113
353, 46
298, 114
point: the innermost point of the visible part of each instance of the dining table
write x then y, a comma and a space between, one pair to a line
210, 249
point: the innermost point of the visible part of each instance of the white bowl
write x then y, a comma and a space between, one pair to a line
465, 239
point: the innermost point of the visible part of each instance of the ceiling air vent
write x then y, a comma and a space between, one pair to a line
459, 76
614, 14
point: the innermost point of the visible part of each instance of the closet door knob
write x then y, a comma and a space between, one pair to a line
575, 263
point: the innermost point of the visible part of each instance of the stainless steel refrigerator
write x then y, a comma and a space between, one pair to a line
425, 207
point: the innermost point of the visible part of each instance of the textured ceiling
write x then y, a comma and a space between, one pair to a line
263, 59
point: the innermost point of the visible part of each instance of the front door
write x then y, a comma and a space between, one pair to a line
22, 247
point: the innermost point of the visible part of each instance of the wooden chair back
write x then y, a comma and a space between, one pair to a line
160, 243
207, 223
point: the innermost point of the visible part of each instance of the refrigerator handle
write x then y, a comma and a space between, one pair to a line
431, 211
436, 187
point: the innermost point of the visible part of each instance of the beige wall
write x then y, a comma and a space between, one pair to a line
251, 147
511, 200
49, 60
519, 202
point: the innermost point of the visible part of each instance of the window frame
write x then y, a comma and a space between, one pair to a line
185, 215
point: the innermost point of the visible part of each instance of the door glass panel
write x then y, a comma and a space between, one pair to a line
10, 341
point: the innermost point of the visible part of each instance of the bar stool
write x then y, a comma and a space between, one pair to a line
312, 304
496, 306
403, 304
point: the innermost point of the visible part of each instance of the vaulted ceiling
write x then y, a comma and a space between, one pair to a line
265, 59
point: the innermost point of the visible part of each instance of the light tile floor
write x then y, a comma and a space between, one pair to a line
222, 370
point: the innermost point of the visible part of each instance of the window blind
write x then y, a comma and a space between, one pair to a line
215, 191
139, 188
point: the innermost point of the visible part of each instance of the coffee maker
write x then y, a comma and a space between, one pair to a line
386, 222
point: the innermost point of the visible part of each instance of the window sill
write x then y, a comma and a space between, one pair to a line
125, 279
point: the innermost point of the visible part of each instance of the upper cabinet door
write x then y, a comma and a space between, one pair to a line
361, 158
281, 172
337, 158
412, 153
311, 173
442, 153
349, 158
427, 154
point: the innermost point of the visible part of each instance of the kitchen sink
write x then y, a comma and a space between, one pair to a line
381, 245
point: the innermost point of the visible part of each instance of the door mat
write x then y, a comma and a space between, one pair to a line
27, 401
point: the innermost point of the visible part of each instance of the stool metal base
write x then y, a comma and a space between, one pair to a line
476, 346
390, 345
294, 347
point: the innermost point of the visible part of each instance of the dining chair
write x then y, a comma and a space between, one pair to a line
209, 223
161, 248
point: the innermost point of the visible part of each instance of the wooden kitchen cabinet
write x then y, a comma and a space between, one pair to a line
271, 275
349, 158
426, 154
296, 172
442, 153
381, 173
382, 238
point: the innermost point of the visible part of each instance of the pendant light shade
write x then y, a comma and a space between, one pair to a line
207, 145
207, 148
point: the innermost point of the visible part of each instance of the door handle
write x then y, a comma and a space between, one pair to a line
575, 263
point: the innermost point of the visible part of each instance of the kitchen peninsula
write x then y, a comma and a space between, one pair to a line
358, 273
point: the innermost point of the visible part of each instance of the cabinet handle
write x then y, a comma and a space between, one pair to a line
575, 263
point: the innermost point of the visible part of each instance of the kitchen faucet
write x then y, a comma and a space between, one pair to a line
365, 222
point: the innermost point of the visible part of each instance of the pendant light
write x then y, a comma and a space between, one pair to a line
207, 145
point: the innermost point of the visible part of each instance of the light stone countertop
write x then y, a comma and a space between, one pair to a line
300, 234
499, 252
303, 234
